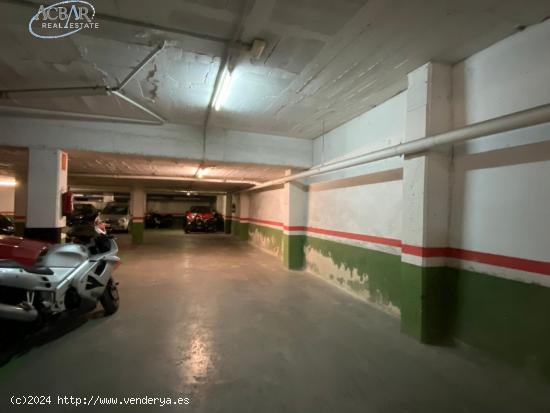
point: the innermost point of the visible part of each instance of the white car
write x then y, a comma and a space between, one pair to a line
116, 217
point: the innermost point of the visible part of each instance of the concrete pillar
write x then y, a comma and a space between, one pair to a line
227, 213
47, 181
427, 288
295, 200
20, 204
108, 197
138, 200
235, 211
244, 214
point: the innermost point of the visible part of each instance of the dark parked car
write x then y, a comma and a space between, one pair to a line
200, 218
6, 226
83, 214
156, 220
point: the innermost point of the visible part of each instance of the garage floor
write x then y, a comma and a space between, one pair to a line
210, 318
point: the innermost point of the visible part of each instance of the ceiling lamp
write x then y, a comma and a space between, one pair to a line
255, 51
202, 172
223, 88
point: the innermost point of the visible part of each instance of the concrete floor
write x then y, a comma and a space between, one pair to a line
212, 319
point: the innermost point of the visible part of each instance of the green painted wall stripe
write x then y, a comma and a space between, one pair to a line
137, 229
369, 272
272, 237
427, 303
227, 226
293, 251
509, 319
243, 229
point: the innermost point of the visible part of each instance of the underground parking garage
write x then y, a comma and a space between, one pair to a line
274, 206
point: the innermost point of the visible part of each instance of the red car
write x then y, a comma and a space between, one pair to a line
200, 218
24, 251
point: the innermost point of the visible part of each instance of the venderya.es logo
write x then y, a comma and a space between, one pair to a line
62, 19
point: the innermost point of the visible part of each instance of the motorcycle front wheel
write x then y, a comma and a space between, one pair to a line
110, 299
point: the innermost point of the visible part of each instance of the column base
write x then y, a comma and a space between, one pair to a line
428, 302
137, 229
52, 235
293, 251
227, 226
243, 231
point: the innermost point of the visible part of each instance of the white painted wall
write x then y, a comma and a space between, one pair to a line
501, 184
381, 127
361, 205
173, 207
267, 205
373, 209
510, 76
7, 201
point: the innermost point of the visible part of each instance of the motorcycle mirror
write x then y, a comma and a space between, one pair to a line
112, 260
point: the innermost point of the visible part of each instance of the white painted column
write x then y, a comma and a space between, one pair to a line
227, 213
138, 201
295, 204
108, 197
426, 182
243, 213
220, 199
426, 204
47, 181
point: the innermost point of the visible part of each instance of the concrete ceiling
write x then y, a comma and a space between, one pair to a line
93, 169
326, 61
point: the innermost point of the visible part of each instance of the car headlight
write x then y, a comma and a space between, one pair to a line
122, 221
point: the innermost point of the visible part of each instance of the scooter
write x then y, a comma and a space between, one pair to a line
65, 278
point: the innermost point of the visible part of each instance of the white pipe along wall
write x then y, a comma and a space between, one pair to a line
496, 260
523, 119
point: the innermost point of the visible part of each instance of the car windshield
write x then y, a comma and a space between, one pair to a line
115, 210
4, 222
200, 209
83, 209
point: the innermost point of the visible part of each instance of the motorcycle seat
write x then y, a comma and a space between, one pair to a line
32, 270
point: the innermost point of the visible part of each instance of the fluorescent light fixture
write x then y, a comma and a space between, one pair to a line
201, 172
223, 89
8, 183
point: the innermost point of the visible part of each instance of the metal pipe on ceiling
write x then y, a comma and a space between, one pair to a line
164, 178
98, 90
144, 62
506, 123
53, 92
77, 115
160, 119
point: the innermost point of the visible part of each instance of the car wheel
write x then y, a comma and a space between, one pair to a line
110, 299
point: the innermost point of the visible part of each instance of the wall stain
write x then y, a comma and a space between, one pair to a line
270, 239
371, 275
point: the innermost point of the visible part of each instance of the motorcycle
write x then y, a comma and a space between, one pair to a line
65, 278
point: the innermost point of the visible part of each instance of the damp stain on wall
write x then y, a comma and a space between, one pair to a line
269, 239
370, 275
